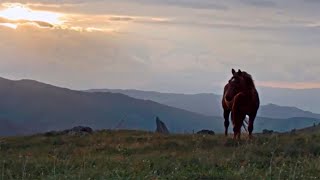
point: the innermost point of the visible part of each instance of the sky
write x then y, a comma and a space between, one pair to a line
187, 46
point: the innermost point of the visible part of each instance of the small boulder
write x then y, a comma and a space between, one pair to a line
293, 131
51, 133
161, 127
205, 131
82, 129
266, 131
75, 131
78, 130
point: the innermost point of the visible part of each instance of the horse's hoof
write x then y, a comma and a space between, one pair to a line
251, 137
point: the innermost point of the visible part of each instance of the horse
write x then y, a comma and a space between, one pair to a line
241, 98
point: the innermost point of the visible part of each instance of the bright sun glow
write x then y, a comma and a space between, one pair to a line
14, 15
19, 12
10, 25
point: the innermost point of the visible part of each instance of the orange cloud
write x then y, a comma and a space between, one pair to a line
14, 15
15, 23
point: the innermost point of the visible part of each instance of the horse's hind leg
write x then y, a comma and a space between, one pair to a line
226, 115
236, 132
238, 122
250, 126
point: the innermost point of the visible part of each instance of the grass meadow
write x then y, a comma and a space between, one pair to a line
145, 155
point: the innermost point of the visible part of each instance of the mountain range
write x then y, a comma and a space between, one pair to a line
28, 106
307, 99
209, 104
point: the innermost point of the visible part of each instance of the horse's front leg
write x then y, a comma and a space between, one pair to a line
250, 126
226, 115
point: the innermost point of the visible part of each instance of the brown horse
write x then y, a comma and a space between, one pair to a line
241, 98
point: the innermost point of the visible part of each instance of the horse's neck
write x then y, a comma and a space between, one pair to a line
249, 93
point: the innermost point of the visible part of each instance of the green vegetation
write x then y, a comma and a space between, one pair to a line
143, 155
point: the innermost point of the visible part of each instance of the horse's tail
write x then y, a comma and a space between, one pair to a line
245, 124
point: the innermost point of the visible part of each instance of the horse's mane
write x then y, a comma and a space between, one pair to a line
248, 78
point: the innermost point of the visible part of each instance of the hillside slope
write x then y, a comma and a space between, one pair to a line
276, 111
207, 104
39, 107
28, 106
307, 99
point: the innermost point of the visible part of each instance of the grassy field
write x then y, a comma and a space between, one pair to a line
143, 155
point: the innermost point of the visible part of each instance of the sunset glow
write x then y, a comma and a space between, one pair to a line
288, 85
13, 15
175, 46
16, 14
9, 25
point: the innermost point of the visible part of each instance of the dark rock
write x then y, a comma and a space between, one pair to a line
82, 129
51, 133
266, 131
79, 130
204, 131
76, 131
161, 127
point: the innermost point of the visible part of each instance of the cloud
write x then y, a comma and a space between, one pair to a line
78, 58
121, 18
290, 85
40, 24
260, 3
192, 4
183, 45
81, 22
203, 4
312, 1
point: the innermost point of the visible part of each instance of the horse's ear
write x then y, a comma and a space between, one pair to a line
239, 71
233, 71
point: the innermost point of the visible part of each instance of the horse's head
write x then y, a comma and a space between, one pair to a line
235, 85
